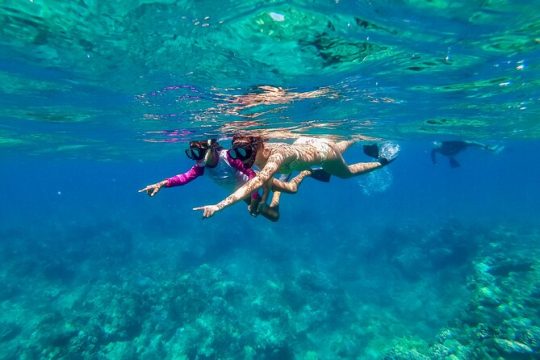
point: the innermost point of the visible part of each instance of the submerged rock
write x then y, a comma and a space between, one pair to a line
511, 347
505, 268
404, 354
9, 331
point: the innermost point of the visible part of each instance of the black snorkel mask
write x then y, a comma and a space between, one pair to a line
198, 149
241, 152
244, 150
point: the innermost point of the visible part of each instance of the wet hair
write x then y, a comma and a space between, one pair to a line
211, 144
253, 140
204, 143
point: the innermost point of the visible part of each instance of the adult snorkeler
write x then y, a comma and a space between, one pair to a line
303, 154
451, 148
229, 172
243, 149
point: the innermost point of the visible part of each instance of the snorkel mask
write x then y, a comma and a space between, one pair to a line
198, 150
244, 148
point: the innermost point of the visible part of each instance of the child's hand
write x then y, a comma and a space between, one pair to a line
153, 189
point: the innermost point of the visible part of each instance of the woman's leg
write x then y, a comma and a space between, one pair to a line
341, 146
291, 186
342, 170
271, 212
337, 166
275, 199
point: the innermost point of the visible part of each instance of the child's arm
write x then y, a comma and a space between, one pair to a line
177, 180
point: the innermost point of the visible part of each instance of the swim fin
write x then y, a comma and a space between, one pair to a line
372, 150
320, 175
385, 154
454, 163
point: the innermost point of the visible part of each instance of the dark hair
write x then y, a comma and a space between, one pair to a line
204, 143
253, 140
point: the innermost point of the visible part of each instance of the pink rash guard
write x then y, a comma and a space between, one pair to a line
227, 171
183, 179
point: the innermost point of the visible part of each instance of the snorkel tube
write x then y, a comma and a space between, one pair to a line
212, 151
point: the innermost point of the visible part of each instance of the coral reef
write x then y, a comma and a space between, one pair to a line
456, 292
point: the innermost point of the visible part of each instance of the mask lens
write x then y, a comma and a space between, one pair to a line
195, 153
198, 153
241, 153
232, 153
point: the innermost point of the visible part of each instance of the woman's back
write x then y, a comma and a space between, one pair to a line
303, 154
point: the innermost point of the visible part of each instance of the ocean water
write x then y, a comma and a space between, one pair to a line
412, 261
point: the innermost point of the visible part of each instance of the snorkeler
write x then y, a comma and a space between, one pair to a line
242, 148
454, 147
225, 170
303, 154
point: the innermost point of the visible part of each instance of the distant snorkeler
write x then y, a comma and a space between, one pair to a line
453, 147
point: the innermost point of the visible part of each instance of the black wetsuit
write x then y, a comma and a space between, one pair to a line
449, 149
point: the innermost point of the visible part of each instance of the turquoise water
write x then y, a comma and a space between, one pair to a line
413, 261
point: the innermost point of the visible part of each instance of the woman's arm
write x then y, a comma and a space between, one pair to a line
271, 167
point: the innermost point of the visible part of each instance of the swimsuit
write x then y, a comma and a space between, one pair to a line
321, 146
